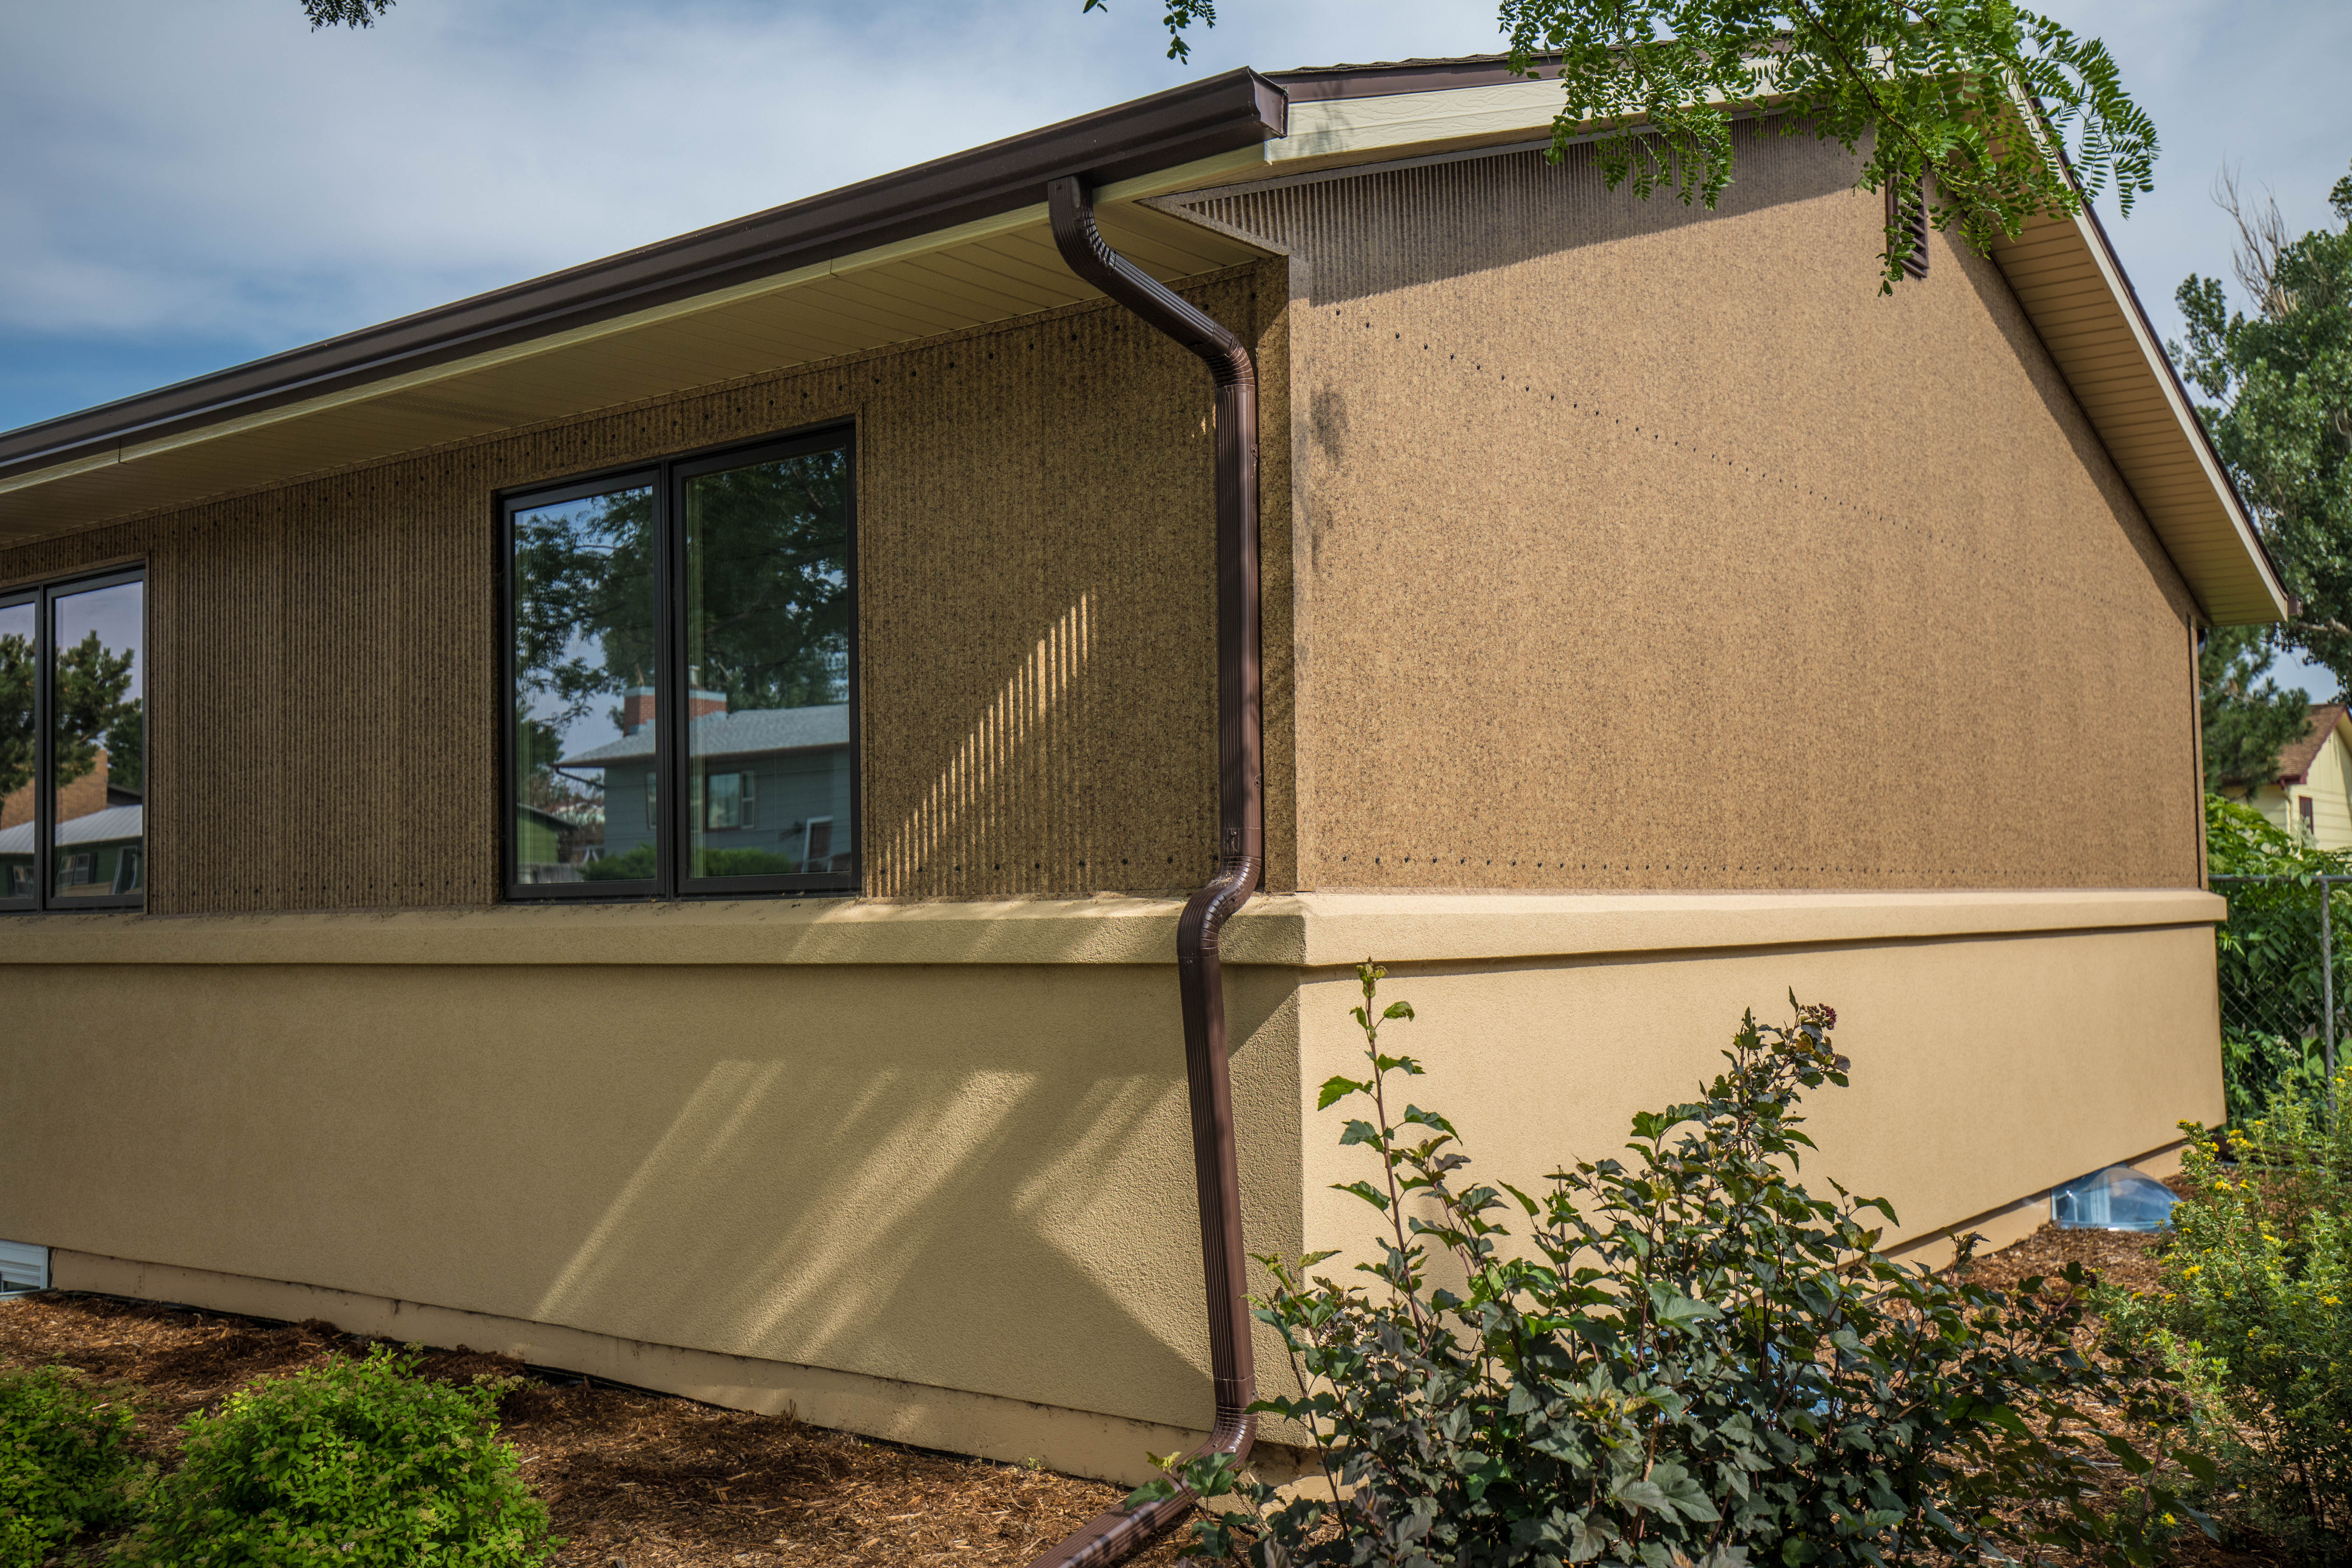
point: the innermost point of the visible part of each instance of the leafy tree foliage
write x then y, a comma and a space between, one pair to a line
2248, 720
2270, 959
94, 709
1977, 94
17, 735
344, 13
767, 586
92, 705
2282, 376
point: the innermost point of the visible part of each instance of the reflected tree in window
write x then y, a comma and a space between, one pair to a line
93, 705
769, 581
16, 737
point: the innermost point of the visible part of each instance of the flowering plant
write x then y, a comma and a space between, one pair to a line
2252, 1311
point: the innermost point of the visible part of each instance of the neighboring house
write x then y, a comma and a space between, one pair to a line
772, 783
2313, 793
1559, 492
97, 838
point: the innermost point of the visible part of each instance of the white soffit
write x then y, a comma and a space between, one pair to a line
967, 275
2066, 276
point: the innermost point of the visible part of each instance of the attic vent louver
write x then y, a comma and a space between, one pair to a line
24, 1265
1906, 217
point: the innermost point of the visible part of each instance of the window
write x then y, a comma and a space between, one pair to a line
73, 744
682, 678
1906, 220
2306, 808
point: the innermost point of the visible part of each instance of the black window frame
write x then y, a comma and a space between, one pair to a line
43, 595
667, 479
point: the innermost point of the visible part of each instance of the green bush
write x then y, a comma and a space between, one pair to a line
65, 1467
1688, 1360
2268, 957
354, 1462
638, 864
2254, 1308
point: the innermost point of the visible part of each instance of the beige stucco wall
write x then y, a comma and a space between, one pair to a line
1645, 546
944, 1147
1035, 551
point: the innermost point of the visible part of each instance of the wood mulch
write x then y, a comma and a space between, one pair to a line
633, 1479
646, 1481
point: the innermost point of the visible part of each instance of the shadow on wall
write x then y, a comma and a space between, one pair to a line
1004, 1208
1474, 217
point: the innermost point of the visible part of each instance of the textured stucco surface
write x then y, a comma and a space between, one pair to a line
1035, 550
1646, 547
965, 1177
976, 1176
1985, 1067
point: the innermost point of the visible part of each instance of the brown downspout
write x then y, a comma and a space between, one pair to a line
1241, 855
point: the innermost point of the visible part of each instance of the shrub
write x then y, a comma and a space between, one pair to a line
1690, 1361
2254, 1308
65, 1467
354, 1462
2268, 955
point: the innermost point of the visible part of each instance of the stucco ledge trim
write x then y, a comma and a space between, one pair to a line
1294, 929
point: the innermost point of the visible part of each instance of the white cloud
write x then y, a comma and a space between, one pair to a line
215, 174
173, 165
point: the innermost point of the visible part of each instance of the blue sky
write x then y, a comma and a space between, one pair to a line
189, 185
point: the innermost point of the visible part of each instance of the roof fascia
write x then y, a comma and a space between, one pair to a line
2184, 414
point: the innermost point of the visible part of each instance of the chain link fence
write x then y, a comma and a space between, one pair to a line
2285, 965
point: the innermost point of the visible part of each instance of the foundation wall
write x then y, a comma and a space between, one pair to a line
1036, 544
1641, 546
909, 1160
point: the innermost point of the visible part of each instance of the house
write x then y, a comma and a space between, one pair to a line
2313, 794
98, 837
1184, 550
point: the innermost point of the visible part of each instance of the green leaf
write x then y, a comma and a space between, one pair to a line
1336, 1089
1398, 1010
1366, 1191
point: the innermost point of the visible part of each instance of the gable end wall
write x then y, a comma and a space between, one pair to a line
1642, 547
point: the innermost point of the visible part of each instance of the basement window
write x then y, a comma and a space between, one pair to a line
1906, 220
680, 666
73, 744
24, 1265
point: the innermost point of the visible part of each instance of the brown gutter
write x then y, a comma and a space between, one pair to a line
1237, 108
1240, 856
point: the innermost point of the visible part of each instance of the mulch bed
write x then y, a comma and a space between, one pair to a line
633, 1479
646, 1481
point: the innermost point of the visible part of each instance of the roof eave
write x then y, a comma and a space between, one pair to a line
1234, 110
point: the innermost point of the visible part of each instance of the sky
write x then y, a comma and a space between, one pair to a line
186, 187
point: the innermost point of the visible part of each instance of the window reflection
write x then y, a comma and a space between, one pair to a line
586, 669
19, 623
767, 648
97, 746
